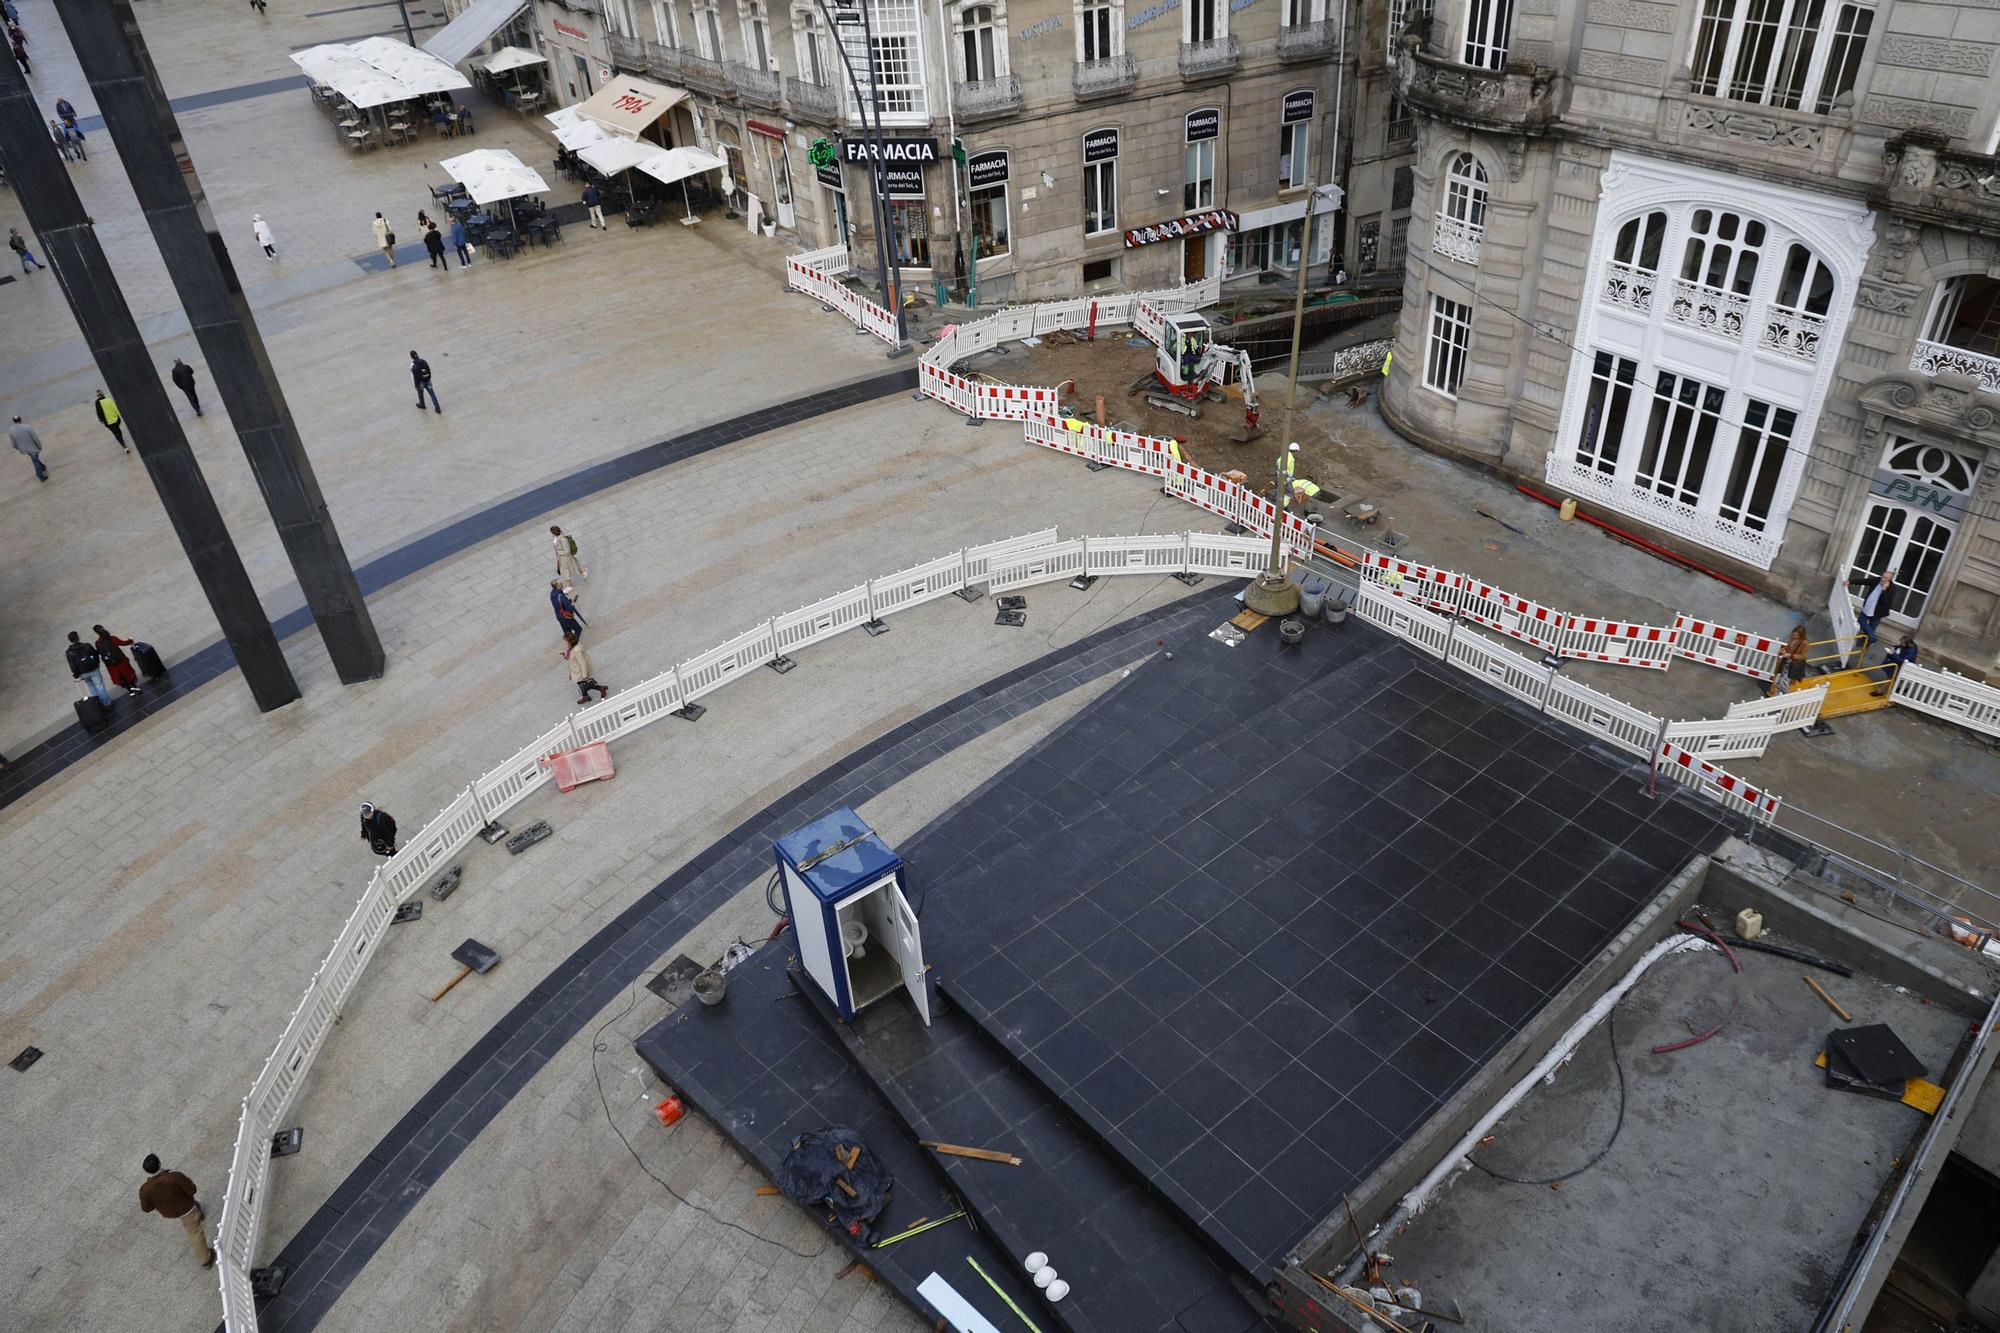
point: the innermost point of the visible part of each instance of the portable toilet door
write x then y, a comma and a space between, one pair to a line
858, 937
910, 953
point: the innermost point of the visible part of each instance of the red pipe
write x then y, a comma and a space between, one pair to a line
1675, 556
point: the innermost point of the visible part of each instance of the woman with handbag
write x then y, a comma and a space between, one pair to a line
111, 652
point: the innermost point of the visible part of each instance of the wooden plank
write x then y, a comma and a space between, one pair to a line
1831, 1003
959, 1150
1247, 620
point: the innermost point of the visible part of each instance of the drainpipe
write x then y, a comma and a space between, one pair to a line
951, 130
1333, 173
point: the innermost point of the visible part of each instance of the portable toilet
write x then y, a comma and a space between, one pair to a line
857, 937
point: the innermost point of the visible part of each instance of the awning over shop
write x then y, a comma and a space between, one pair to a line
628, 105
377, 71
468, 32
512, 57
492, 174
1324, 201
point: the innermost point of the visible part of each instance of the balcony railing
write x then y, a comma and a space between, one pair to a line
663, 62
1514, 100
989, 98
704, 75
1711, 311
1105, 78
755, 87
1629, 287
1306, 41
1793, 333
1931, 358
1458, 240
812, 101
627, 53
1208, 60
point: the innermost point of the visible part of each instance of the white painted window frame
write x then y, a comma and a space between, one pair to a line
1190, 8
1115, 25
1489, 32
961, 25
1760, 91
1450, 329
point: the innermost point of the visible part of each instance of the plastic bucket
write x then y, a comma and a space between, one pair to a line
1312, 592
709, 988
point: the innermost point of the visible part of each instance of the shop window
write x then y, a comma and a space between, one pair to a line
989, 219
909, 225
1796, 54
1198, 176
1604, 414
1367, 244
1450, 336
1680, 437
1292, 160
1488, 25
1100, 197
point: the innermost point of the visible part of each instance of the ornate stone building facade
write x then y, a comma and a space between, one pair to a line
1728, 271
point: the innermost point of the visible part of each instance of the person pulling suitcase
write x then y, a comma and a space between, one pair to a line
94, 709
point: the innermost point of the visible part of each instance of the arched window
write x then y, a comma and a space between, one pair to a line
1797, 317
1461, 223
979, 44
1632, 274
1718, 269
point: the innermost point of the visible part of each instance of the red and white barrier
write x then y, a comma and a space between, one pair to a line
1692, 771
1737, 650
1618, 642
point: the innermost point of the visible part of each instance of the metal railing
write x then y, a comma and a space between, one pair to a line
1457, 240
1934, 358
812, 101
1105, 78
1307, 41
758, 87
627, 53
1206, 60
704, 75
988, 98
663, 62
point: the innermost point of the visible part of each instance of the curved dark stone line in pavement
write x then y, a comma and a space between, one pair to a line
337, 1242
71, 744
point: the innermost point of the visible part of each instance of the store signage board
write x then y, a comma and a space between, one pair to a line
1194, 224
892, 151
1100, 145
1298, 106
1203, 124
986, 169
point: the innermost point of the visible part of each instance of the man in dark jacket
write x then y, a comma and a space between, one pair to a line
568, 619
420, 371
434, 242
1875, 601
83, 665
183, 378
171, 1194
594, 201
378, 830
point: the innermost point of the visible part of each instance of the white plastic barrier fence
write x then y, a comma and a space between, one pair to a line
1737, 650
708, 672
828, 616
917, 584
1227, 557
1617, 723
1783, 712
1141, 554
979, 559
1618, 642
1502, 668
1723, 738
1948, 695
1424, 629
1693, 771
1043, 564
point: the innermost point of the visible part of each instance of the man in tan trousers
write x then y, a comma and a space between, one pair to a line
171, 1194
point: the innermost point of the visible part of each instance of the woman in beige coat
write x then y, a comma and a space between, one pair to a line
579, 670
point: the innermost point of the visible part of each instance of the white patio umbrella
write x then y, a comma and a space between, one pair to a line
492, 174
513, 57
677, 164
577, 132
419, 71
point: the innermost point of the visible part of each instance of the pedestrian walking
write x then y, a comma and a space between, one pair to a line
1875, 603
385, 240
76, 144
580, 674
378, 830
60, 134
27, 442
65, 112
434, 242
594, 201
420, 371
20, 46
1791, 662
568, 567
458, 243
7, 8
568, 619
183, 377
111, 652
84, 666
19, 245
107, 412
264, 236
171, 1194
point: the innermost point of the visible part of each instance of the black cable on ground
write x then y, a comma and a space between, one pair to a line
597, 1044
1617, 1125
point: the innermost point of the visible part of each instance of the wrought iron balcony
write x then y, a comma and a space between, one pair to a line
663, 62
1793, 333
1931, 358
1458, 240
988, 98
755, 87
813, 101
1210, 60
1708, 309
1628, 286
1514, 100
1105, 78
704, 75
1307, 41
627, 53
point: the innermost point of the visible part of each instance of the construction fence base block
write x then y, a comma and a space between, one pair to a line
447, 883
895, 352
875, 627
974, 421
1017, 619
407, 913
781, 664
1011, 601
1235, 529
918, 396
824, 306
266, 1283
1818, 729
529, 836
287, 1141
1083, 582
690, 712
1190, 579
1096, 466
493, 833
969, 594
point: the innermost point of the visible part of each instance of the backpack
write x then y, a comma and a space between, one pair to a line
572, 543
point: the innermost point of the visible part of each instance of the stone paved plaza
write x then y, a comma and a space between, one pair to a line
168, 897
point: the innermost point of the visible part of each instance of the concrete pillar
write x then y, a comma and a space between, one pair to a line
42, 185
120, 72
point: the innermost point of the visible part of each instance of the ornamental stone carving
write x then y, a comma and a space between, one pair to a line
1903, 114
1632, 14
1747, 127
1914, 401
1933, 54
1881, 296
1622, 69
1982, 418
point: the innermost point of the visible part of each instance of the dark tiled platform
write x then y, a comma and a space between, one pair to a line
1255, 914
766, 1068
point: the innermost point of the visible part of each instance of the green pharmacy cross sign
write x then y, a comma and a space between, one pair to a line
822, 153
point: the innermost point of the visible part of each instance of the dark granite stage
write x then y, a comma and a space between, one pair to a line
1207, 955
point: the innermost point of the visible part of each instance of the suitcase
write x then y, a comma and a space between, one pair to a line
92, 715
148, 660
